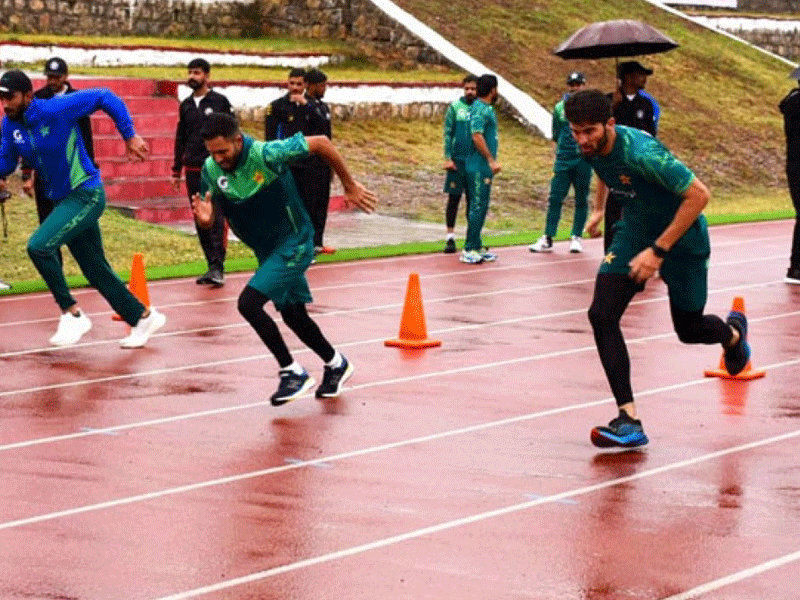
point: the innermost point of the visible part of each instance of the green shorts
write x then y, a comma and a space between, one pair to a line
281, 275
686, 275
455, 181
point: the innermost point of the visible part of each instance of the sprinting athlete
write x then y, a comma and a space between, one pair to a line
46, 134
662, 229
250, 183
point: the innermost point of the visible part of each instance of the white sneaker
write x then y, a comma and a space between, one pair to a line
543, 244
70, 329
471, 257
142, 331
575, 244
4, 286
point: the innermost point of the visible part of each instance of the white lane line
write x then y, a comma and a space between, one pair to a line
711, 586
353, 453
259, 356
472, 519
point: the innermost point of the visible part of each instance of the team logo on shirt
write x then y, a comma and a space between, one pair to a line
258, 177
18, 136
625, 179
609, 258
208, 110
44, 131
222, 182
640, 114
453, 184
487, 180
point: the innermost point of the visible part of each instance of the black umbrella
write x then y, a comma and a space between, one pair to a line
608, 39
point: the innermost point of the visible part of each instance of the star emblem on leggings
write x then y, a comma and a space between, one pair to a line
609, 258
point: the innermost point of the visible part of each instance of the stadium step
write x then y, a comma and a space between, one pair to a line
150, 122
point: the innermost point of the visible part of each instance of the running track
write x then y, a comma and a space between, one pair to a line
463, 472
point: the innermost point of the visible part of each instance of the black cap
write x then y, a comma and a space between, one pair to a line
55, 66
315, 76
576, 78
15, 81
632, 66
199, 63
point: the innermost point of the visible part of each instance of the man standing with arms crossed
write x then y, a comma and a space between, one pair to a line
45, 134
457, 146
250, 183
481, 166
190, 153
662, 230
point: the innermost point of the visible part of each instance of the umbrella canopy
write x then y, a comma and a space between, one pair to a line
608, 39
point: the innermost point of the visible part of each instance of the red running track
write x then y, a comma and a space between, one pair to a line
458, 472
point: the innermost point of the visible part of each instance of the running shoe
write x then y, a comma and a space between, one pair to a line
5, 286
543, 244
793, 276
737, 356
71, 329
471, 257
575, 244
291, 386
621, 431
324, 250
450, 246
142, 331
333, 379
488, 256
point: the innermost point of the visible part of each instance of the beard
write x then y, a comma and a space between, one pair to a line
194, 84
601, 144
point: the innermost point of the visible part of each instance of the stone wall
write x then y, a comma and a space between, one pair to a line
782, 43
358, 21
769, 6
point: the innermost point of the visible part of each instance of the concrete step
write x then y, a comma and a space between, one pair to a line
113, 146
119, 167
150, 123
136, 189
121, 86
162, 210
147, 105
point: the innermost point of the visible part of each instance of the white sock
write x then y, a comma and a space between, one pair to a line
295, 368
336, 361
451, 236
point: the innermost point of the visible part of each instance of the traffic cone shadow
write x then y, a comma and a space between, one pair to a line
748, 373
413, 331
138, 283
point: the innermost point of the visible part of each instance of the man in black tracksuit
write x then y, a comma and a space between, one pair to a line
191, 153
56, 71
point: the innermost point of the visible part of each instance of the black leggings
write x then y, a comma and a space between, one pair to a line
612, 294
452, 209
295, 316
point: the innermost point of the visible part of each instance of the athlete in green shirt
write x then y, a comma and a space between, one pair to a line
662, 230
457, 146
482, 166
251, 184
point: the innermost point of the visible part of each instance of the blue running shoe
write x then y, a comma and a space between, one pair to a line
291, 386
471, 257
622, 431
487, 256
333, 379
737, 357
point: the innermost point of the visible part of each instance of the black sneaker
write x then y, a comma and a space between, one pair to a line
216, 278
450, 246
793, 276
622, 431
291, 386
736, 357
204, 279
333, 379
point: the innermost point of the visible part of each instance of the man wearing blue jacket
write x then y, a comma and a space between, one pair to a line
46, 134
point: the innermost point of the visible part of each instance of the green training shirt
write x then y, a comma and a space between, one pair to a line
258, 196
457, 134
483, 121
567, 152
649, 182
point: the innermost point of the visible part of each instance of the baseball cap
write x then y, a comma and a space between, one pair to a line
632, 66
15, 81
576, 78
55, 66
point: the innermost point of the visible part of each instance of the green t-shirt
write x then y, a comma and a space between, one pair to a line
649, 183
258, 196
567, 151
457, 134
483, 121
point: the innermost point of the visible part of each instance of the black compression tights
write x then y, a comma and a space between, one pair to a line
295, 316
452, 209
612, 294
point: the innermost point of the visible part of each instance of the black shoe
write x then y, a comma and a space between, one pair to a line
291, 386
204, 279
622, 431
736, 357
793, 276
450, 246
216, 278
333, 379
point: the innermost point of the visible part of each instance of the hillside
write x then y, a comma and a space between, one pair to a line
718, 97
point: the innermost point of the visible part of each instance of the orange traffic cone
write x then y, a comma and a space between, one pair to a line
748, 372
138, 283
413, 333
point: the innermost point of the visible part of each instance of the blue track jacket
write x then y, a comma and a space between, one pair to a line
49, 139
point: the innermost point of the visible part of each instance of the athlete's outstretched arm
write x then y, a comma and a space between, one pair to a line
353, 190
